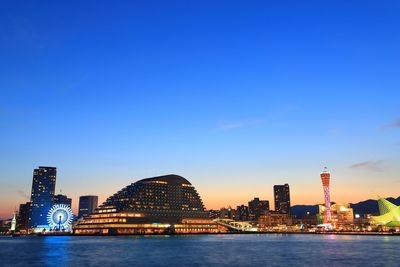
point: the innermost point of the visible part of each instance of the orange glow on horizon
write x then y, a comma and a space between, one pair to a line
216, 196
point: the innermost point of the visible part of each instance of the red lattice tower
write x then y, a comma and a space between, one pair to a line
325, 178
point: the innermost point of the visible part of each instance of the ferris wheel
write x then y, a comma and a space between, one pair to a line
60, 217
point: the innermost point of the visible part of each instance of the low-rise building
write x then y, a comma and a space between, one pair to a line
242, 213
342, 214
274, 219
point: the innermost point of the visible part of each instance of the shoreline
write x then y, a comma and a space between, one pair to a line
227, 233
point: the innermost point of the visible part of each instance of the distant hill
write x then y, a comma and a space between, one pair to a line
300, 210
369, 206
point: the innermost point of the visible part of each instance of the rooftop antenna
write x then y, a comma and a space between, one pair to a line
325, 170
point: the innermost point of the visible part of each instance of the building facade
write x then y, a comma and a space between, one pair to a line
87, 205
257, 208
62, 199
341, 214
43, 187
282, 198
214, 214
242, 212
227, 213
164, 204
389, 214
274, 218
24, 215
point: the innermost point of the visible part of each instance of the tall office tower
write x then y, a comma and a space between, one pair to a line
23, 216
43, 186
87, 205
282, 198
62, 199
325, 178
257, 208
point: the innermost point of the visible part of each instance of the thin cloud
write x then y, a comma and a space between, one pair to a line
228, 126
394, 125
372, 165
23, 194
238, 125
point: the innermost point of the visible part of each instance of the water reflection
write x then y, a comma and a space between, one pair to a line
56, 250
202, 250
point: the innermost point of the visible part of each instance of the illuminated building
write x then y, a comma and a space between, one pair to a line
87, 205
13, 224
23, 216
227, 213
257, 208
242, 212
325, 178
62, 199
389, 214
164, 204
43, 187
282, 198
214, 214
274, 218
341, 214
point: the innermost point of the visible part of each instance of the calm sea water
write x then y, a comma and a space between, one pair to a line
202, 250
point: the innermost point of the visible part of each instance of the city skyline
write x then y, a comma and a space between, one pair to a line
226, 204
236, 97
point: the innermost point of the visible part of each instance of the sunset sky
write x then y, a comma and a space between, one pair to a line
236, 96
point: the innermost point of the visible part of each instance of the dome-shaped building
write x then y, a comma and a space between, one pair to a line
164, 204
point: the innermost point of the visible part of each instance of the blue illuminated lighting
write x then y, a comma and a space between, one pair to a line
60, 217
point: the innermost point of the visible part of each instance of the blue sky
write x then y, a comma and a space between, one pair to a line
234, 95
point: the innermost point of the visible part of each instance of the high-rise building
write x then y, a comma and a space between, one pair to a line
282, 198
23, 216
325, 178
62, 199
257, 208
43, 187
87, 205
